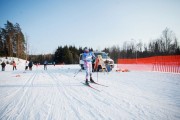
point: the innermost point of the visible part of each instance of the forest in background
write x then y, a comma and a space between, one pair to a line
166, 44
14, 44
12, 41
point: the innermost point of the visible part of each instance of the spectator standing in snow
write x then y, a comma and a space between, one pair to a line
26, 65
45, 65
3, 65
30, 65
54, 63
88, 58
14, 65
37, 64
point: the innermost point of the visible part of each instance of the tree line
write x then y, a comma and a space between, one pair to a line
12, 41
166, 44
62, 55
67, 55
13, 44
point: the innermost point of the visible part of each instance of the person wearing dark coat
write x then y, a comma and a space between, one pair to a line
30, 65
45, 65
3, 64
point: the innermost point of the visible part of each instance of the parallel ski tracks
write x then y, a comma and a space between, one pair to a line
23, 99
63, 91
19, 106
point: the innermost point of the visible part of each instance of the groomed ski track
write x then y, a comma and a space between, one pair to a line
56, 94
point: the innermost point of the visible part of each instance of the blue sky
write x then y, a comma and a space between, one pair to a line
93, 23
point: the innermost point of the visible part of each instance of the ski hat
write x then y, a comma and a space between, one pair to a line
86, 49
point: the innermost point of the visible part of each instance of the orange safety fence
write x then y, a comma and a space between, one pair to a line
169, 63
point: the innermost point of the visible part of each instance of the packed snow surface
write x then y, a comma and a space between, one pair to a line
57, 94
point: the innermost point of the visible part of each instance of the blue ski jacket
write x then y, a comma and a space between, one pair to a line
88, 57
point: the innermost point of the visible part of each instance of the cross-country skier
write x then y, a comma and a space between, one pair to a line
26, 65
14, 65
88, 58
30, 65
3, 64
45, 65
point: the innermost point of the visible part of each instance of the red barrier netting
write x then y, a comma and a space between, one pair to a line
156, 63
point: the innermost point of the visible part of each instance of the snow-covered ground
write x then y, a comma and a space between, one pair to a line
56, 94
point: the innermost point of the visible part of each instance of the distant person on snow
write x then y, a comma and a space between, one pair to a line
14, 65
3, 65
88, 58
30, 65
37, 65
45, 65
26, 65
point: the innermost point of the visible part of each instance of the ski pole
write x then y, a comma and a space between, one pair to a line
77, 72
97, 76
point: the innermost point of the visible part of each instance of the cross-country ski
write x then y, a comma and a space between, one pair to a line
88, 85
99, 84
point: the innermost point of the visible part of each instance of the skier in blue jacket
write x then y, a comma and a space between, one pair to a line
88, 58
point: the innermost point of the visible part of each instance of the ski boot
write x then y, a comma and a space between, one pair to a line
92, 80
87, 83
